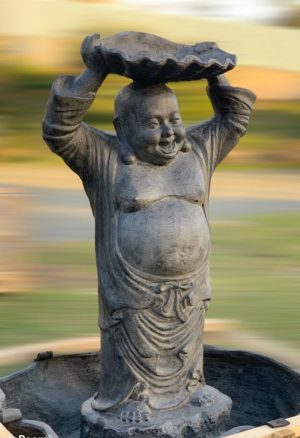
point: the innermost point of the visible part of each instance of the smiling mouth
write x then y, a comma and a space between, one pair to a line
168, 149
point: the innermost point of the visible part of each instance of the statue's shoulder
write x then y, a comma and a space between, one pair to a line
199, 133
105, 138
105, 145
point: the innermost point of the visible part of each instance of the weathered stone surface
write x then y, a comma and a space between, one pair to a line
149, 58
7, 415
2, 400
148, 186
202, 418
53, 390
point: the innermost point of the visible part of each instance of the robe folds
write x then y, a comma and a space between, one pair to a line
151, 326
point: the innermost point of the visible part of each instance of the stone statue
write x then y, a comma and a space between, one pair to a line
148, 187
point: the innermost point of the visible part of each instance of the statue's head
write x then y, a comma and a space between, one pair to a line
148, 123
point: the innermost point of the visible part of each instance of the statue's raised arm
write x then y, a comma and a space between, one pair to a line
219, 135
70, 98
148, 186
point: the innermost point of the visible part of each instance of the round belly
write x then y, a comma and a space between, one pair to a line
168, 238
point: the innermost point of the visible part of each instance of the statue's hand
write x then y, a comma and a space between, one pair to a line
91, 55
206, 46
218, 80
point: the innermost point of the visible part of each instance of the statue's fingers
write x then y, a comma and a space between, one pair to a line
84, 46
86, 41
205, 46
96, 36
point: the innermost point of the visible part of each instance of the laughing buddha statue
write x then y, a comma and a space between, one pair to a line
148, 186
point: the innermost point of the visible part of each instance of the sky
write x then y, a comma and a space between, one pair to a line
248, 10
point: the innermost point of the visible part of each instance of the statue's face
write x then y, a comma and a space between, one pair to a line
155, 128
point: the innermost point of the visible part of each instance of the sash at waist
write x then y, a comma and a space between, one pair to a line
128, 288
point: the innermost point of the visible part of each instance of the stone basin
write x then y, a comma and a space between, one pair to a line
50, 392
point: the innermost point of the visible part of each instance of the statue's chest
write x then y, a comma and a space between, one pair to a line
140, 185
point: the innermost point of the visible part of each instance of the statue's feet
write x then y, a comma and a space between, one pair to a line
202, 397
135, 412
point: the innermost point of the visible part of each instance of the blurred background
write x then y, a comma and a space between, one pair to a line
48, 298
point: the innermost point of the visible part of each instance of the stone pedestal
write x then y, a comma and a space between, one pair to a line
204, 416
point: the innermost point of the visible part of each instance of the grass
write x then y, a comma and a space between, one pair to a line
255, 272
46, 315
43, 316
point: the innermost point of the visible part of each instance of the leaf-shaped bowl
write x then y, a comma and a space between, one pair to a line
150, 58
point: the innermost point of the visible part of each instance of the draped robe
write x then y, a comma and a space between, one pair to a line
151, 325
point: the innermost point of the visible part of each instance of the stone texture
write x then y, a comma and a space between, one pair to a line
2, 400
148, 186
7, 415
149, 58
53, 390
187, 421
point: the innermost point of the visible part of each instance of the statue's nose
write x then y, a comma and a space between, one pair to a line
167, 130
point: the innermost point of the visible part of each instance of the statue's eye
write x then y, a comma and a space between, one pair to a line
153, 125
176, 121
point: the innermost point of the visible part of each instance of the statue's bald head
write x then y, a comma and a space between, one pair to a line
148, 124
129, 99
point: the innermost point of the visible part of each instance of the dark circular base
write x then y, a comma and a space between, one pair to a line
53, 390
191, 420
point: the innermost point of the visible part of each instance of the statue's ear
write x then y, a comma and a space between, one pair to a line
117, 126
127, 154
186, 147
